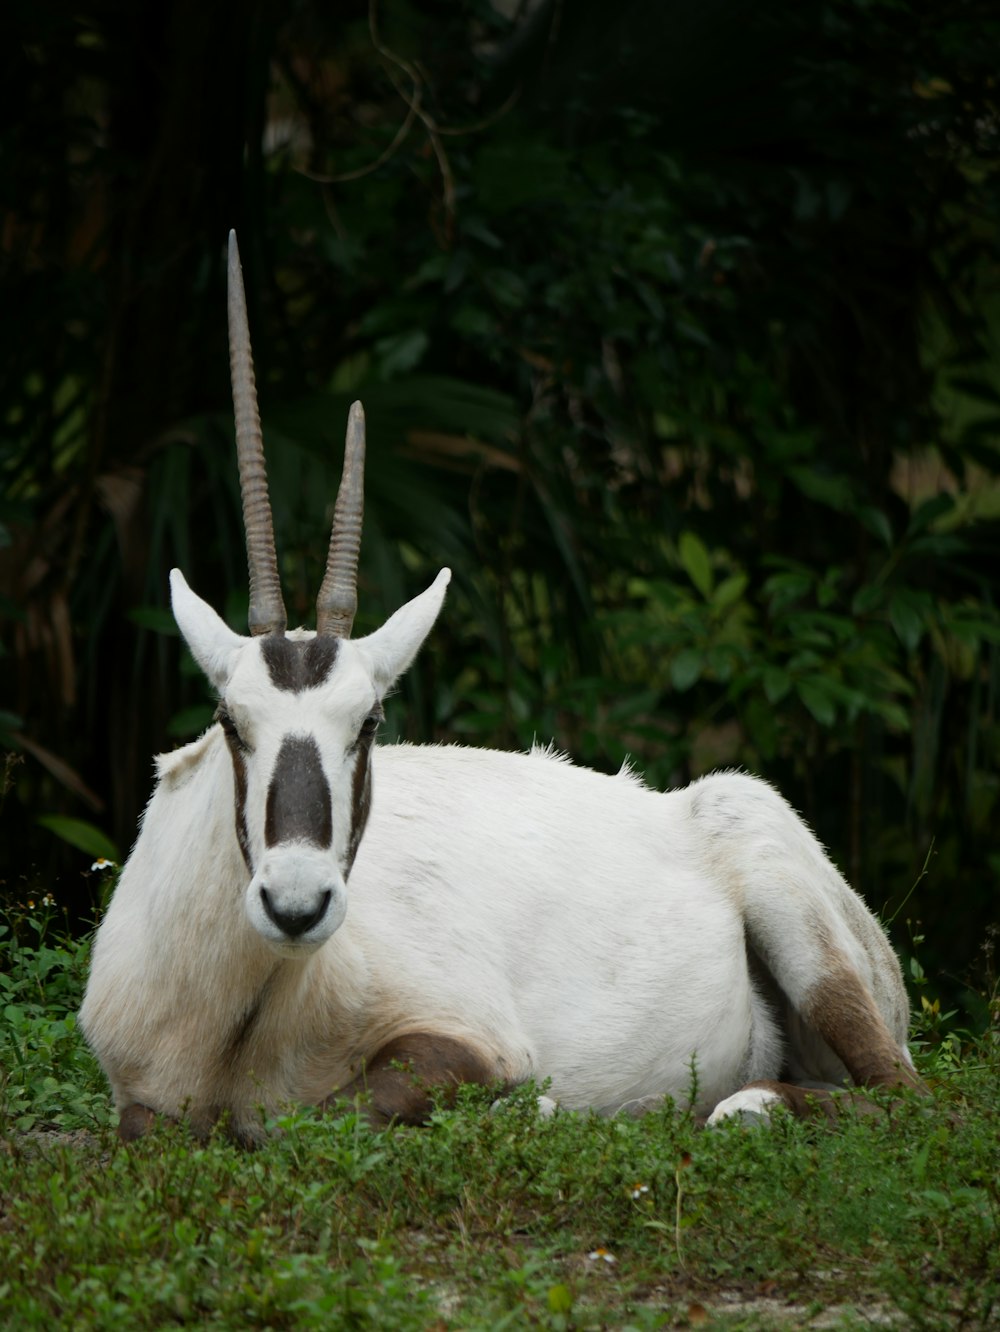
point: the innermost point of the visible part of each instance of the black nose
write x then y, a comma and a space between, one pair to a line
294, 923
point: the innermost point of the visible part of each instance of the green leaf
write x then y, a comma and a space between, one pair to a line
907, 618
937, 1197
776, 684
721, 661
729, 591
84, 836
782, 589
818, 701
560, 1299
696, 561
834, 491
928, 512
686, 668
868, 599
877, 523
401, 352
895, 717
971, 628
507, 288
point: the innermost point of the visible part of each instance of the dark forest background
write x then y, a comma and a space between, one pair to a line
677, 324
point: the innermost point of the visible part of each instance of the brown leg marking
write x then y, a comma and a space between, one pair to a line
135, 1121
844, 1013
400, 1079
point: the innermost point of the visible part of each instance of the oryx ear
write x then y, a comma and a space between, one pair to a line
213, 644
389, 650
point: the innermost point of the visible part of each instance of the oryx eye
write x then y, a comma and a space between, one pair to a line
223, 717
370, 725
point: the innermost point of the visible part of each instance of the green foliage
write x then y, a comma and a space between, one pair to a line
47, 1076
685, 360
488, 1218
82, 835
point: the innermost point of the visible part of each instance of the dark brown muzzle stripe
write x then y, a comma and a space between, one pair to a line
298, 798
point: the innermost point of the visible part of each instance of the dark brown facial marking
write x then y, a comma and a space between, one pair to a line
361, 796
402, 1077
240, 783
298, 799
237, 751
297, 666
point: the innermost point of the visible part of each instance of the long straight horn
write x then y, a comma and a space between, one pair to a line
338, 597
267, 610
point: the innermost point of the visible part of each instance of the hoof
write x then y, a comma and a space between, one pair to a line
751, 1107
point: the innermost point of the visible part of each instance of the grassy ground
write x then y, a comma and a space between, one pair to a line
486, 1219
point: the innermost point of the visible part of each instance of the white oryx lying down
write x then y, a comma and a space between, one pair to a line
510, 916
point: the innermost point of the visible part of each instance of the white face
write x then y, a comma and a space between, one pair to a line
299, 718
300, 714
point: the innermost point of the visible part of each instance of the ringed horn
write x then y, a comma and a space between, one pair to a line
338, 596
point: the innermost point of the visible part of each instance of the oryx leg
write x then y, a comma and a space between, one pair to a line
135, 1121
835, 982
838, 1008
404, 1079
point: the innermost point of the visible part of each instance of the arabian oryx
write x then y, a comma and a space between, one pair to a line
308, 916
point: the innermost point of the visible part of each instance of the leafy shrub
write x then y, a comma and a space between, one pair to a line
49, 1078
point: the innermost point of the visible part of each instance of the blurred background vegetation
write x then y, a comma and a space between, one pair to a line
677, 324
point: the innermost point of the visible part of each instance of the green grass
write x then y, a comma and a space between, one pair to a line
486, 1219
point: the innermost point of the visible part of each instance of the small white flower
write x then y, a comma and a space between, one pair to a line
48, 900
101, 863
639, 1189
602, 1255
